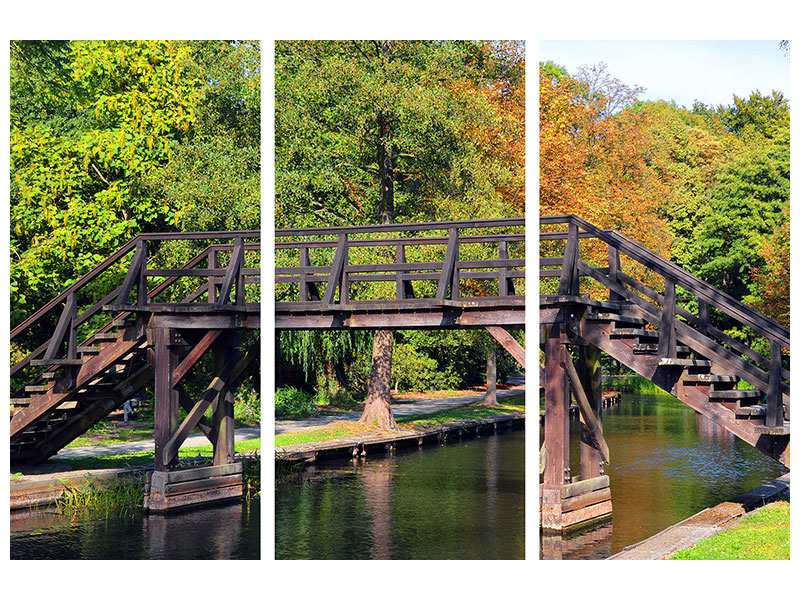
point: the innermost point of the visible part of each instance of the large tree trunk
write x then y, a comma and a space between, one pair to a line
377, 410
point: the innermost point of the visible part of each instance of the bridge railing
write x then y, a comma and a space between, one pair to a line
222, 274
408, 263
760, 358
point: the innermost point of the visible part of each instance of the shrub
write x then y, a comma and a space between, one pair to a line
293, 403
247, 406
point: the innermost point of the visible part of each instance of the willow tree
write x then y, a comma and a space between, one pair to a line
383, 131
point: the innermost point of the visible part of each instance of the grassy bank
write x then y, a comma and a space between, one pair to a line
760, 535
343, 428
124, 495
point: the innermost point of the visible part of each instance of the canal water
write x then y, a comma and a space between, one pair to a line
463, 500
223, 532
667, 463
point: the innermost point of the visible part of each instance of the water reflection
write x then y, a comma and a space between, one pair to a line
230, 531
668, 464
462, 500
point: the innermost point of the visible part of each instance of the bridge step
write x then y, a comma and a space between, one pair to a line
763, 429
641, 333
48, 375
703, 378
734, 394
614, 317
653, 348
105, 337
61, 362
683, 362
37, 388
88, 349
756, 410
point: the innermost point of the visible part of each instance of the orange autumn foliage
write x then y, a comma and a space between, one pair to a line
598, 164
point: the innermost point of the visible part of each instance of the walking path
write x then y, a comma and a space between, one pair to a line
400, 408
195, 439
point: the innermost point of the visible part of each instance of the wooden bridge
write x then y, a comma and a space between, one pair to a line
77, 364
441, 275
603, 292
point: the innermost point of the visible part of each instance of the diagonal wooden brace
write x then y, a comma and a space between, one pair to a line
227, 378
583, 404
512, 346
336, 277
135, 275
232, 272
449, 274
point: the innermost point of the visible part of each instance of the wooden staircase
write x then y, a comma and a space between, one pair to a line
63, 387
651, 332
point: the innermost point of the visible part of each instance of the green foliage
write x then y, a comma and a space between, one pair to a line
338, 103
247, 405
414, 371
293, 403
113, 138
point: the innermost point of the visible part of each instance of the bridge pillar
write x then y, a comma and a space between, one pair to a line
170, 487
590, 375
568, 501
556, 428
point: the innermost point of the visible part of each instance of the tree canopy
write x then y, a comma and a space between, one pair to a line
113, 138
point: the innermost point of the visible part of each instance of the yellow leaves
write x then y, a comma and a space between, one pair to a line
150, 142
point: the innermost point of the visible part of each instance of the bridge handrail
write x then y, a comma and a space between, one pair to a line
702, 289
339, 274
767, 375
393, 227
124, 250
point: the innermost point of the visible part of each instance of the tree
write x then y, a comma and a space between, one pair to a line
102, 117
382, 131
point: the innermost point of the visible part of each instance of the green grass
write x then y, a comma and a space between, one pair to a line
760, 535
343, 428
120, 495
134, 459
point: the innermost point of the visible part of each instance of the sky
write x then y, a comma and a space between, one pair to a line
709, 71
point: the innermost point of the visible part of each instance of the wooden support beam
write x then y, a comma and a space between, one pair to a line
556, 419
506, 340
336, 279
614, 270
774, 416
232, 272
569, 284
65, 324
204, 425
194, 355
592, 423
403, 288
166, 397
449, 272
227, 377
134, 274
591, 379
667, 341
505, 283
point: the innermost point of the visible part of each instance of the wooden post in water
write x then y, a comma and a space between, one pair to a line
166, 397
591, 379
556, 429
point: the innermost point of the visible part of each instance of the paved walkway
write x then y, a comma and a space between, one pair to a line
195, 439
400, 408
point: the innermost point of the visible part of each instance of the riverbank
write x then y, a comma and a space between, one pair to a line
363, 443
705, 524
